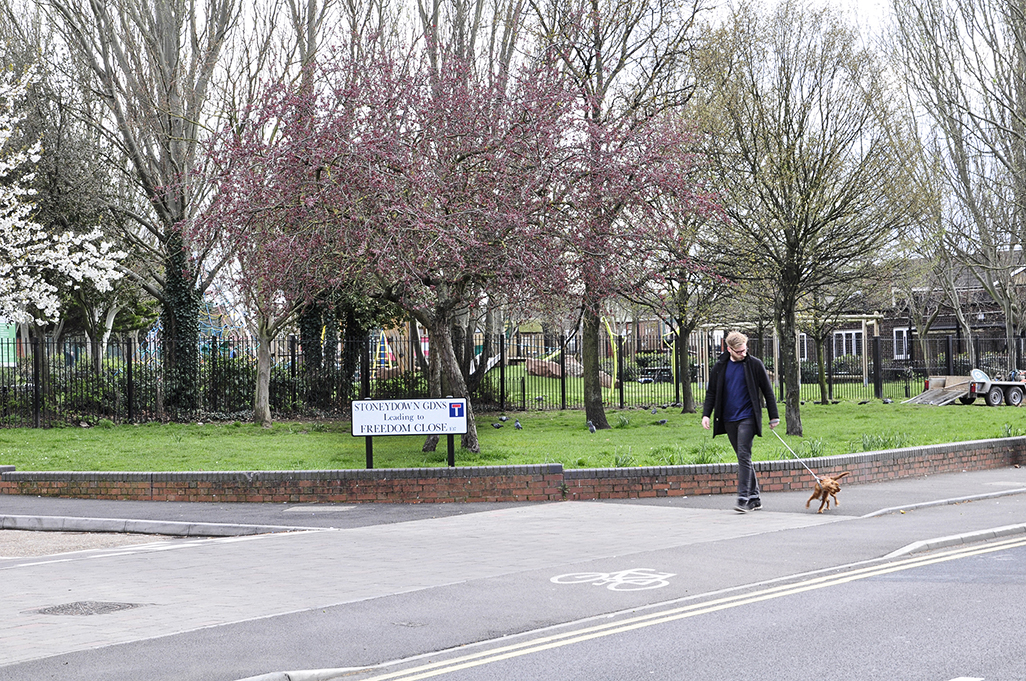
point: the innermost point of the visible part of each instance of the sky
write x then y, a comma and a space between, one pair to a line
868, 13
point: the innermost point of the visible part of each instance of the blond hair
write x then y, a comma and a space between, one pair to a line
736, 339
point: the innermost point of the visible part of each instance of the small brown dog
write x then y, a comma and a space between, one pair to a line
826, 487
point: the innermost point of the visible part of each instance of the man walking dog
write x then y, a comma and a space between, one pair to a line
737, 383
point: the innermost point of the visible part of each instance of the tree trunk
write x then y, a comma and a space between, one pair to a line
180, 333
354, 338
451, 378
687, 397
492, 329
311, 325
824, 392
262, 399
435, 390
1011, 357
787, 328
590, 334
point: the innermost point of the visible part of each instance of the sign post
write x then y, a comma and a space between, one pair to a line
447, 416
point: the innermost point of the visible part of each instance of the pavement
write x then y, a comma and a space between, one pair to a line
245, 582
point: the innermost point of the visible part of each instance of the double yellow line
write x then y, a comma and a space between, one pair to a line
549, 642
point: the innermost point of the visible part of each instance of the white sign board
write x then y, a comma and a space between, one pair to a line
410, 417
8, 344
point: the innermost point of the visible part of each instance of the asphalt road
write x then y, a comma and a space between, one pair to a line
953, 614
386, 588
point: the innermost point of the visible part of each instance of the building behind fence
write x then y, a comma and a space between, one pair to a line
44, 383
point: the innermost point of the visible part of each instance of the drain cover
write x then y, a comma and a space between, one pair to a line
86, 608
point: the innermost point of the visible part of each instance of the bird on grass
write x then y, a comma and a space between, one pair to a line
661, 422
654, 410
516, 424
504, 418
496, 425
591, 427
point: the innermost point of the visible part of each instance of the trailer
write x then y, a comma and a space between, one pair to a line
941, 390
995, 391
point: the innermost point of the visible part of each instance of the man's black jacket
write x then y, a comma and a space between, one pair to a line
757, 381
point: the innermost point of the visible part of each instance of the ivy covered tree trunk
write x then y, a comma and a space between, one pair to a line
311, 324
180, 333
331, 360
354, 342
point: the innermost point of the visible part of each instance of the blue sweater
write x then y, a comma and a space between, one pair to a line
737, 404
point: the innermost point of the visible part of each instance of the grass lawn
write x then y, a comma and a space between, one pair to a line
548, 437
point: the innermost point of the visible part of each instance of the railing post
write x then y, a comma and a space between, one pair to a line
562, 372
619, 366
502, 371
37, 373
292, 371
677, 364
829, 369
129, 360
877, 369
214, 386
365, 369
949, 355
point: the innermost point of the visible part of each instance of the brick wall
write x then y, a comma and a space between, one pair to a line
546, 482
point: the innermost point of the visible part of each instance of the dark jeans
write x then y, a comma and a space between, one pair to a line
741, 434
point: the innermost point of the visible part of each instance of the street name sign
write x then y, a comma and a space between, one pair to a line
447, 416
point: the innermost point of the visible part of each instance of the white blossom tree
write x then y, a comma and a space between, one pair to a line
32, 259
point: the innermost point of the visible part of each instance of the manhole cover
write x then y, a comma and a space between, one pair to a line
86, 608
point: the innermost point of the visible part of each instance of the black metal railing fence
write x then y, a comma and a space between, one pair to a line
43, 383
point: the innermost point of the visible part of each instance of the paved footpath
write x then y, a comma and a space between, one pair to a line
476, 563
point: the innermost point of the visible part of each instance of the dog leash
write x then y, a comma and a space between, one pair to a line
794, 455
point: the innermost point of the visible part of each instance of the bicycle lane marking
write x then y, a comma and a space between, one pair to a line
684, 612
635, 579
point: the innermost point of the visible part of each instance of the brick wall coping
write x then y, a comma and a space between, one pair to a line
285, 476
837, 462
539, 482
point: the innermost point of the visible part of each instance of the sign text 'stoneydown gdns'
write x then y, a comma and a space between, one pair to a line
446, 416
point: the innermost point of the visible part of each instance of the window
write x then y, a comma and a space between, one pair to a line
847, 343
901, 341
803, 347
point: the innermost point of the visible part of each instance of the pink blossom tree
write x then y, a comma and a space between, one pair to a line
628, 65
432, 186
634, 178
426, 185
267, 198
459, 183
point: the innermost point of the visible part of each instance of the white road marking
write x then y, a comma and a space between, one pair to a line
588, 633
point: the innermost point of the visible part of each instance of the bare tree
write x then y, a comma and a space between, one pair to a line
627, 59
966, 65
152, 64
809, 172
690, 290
